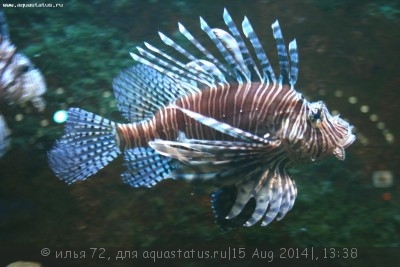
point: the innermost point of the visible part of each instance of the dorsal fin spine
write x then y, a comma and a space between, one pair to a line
227, 56
269, 75
168, 41
190, 73
294, 62
170, 68
282, 53
248, 60
201, 48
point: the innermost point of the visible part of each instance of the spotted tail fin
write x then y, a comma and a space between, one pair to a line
88, 144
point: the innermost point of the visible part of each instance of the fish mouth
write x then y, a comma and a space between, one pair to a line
339, 151
349, 140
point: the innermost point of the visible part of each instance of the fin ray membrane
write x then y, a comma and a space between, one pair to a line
274, 192
212, 161
87, 145
202, 69
257, 170
222, 201
146, 167
141, 91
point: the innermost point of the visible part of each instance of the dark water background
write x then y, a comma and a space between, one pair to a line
351, 46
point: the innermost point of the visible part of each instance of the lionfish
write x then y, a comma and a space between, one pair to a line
20, 81
230, 126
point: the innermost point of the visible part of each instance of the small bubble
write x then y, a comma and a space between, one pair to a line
373, 117
107, 94
321, 92
60, 116
60, 91
364, 109
112, 104
44, 123
335, 112
40, 134
352, 100
338, 93
389, 138
382, 179
19, 117
364, 141
380, 125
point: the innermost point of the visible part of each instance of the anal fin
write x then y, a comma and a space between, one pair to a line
146, 167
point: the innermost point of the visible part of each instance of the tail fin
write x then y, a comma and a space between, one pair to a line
88, 144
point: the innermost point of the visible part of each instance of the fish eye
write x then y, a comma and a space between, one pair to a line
316, 117
25, 68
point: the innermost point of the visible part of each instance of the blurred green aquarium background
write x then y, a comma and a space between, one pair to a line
348, 58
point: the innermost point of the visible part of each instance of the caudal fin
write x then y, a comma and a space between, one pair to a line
88, 144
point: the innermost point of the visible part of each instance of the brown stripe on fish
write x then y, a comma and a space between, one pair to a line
132, 135
238, 105
163, 125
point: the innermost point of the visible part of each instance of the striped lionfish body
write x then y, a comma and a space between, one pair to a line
20, 81
227, 123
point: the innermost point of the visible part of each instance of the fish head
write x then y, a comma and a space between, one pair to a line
23, 81
329, 134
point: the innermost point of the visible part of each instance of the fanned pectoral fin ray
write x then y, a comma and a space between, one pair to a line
256, 169
213, 162
274, 193
222, 201
223, 127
